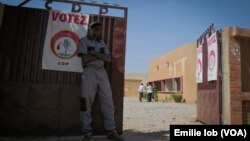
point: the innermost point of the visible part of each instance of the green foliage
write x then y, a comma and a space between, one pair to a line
155, 95
177, 96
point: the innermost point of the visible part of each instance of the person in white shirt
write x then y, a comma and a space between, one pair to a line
140, 90
149, 92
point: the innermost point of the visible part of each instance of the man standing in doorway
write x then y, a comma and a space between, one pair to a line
94, 52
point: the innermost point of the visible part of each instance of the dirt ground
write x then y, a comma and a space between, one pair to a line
150, 121
142, 121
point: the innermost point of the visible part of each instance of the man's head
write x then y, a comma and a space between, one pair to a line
95, 30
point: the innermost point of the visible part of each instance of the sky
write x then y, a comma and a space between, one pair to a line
156, 27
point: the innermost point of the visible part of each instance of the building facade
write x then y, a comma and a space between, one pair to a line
223, 101
174, 72
132, 81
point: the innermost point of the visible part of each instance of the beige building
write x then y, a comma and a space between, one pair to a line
175, 72
132, 81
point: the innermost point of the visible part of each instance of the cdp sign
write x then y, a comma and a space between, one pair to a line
64, 31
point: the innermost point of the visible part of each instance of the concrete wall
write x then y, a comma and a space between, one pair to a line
226, 117
236, 71
180, 62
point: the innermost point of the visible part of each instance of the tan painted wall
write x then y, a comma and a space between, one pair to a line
130, 87
180, 62
132, 81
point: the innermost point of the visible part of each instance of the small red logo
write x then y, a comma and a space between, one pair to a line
211, 59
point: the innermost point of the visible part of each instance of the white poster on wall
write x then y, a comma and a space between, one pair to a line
199, 64
64, 30
212, 67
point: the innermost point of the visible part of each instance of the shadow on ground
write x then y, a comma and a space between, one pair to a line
129, 135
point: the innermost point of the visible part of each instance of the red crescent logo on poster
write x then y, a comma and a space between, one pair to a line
64, 44
211, 59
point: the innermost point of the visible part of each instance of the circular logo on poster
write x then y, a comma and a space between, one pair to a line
211, 60
199, 67
64, 44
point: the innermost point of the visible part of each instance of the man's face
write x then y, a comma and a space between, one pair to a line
95, 32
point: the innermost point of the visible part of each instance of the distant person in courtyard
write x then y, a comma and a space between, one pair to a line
94, 52
140, 91
149, 92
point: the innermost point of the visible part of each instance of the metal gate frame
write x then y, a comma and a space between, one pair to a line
42, 102
209, 93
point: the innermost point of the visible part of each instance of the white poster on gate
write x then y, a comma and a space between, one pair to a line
212, 67
199, 64
64, 30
